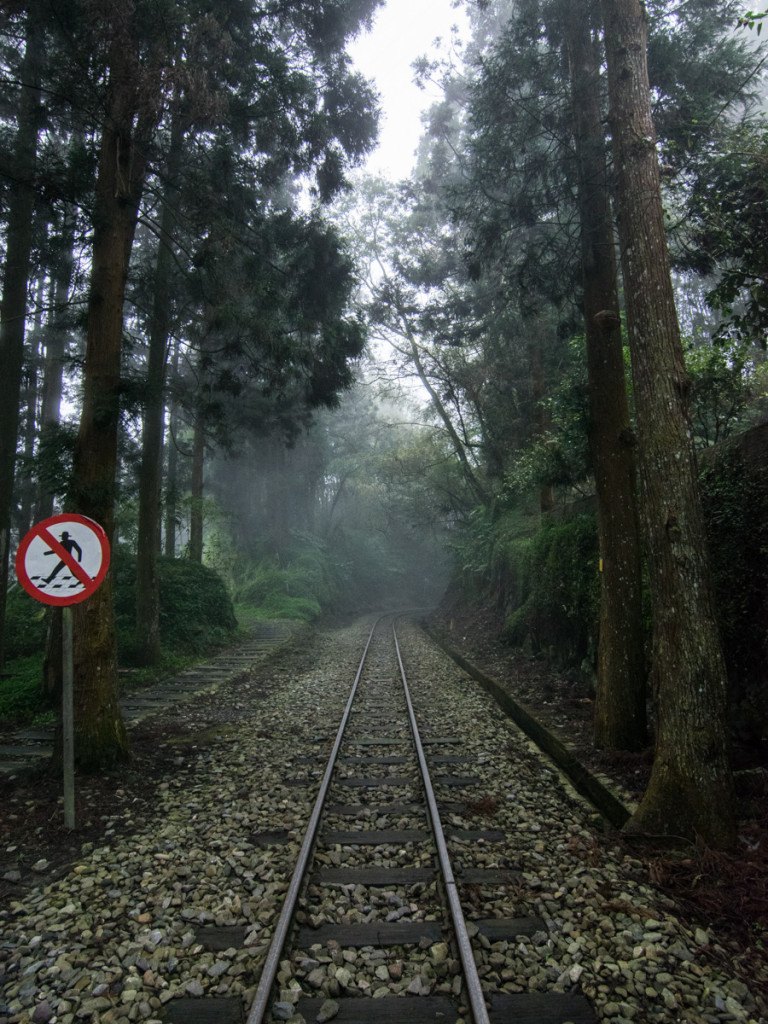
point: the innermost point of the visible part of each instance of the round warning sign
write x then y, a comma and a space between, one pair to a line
63, 560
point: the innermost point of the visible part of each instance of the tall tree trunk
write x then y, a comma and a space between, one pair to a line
31, 398
13, 305
620, 717
25, 488
196, 497
150, 472
691, 788
55, 348
171, 476
100, 736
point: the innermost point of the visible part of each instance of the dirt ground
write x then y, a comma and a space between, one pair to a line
727, 892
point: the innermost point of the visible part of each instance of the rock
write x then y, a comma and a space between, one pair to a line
344, 977
282, 1011
735, 1008
42, 1013
669, 999
90, 1006
439, 952
327, 1011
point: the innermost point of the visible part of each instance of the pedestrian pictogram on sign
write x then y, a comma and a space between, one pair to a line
63, 560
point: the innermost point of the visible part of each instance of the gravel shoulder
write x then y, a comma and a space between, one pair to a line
727, 891
102, 924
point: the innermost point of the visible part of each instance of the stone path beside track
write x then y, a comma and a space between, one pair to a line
125, 935
27, 748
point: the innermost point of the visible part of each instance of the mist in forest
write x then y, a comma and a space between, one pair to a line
342, 514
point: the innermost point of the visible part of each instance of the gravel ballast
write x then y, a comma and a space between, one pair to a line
121, 933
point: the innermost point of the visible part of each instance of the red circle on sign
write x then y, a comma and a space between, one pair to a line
90, 577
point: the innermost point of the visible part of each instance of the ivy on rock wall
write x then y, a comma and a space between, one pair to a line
735, 507
559, 615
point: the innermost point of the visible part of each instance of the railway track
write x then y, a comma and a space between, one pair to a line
166, 915
377, 831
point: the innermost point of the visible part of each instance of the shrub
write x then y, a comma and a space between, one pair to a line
22, 697
301, 587
283, 606
25, 625
196, 613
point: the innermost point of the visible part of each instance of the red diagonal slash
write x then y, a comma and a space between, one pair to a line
71, 563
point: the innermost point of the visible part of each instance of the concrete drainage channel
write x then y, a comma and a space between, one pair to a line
599, 794
29, 747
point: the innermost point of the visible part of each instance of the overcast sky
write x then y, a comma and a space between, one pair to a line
403, 30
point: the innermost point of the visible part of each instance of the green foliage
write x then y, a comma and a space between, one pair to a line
282, 606
559, 457
196, 612
559, 616
25, 624
301, 588
544, 581
727, 230
51, 464
22, 699
491, 555
728, 385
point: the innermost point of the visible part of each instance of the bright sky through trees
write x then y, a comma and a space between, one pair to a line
403, 30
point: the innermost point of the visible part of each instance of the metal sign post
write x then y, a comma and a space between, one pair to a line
62, 561
68, 718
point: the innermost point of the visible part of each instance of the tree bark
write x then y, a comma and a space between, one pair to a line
28, 399
100, 736
13, 305
196, 497
55, 347
690, 791
150, 471
171, 476
620, 701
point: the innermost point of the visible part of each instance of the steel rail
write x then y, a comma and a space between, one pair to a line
272, 962
474, 988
